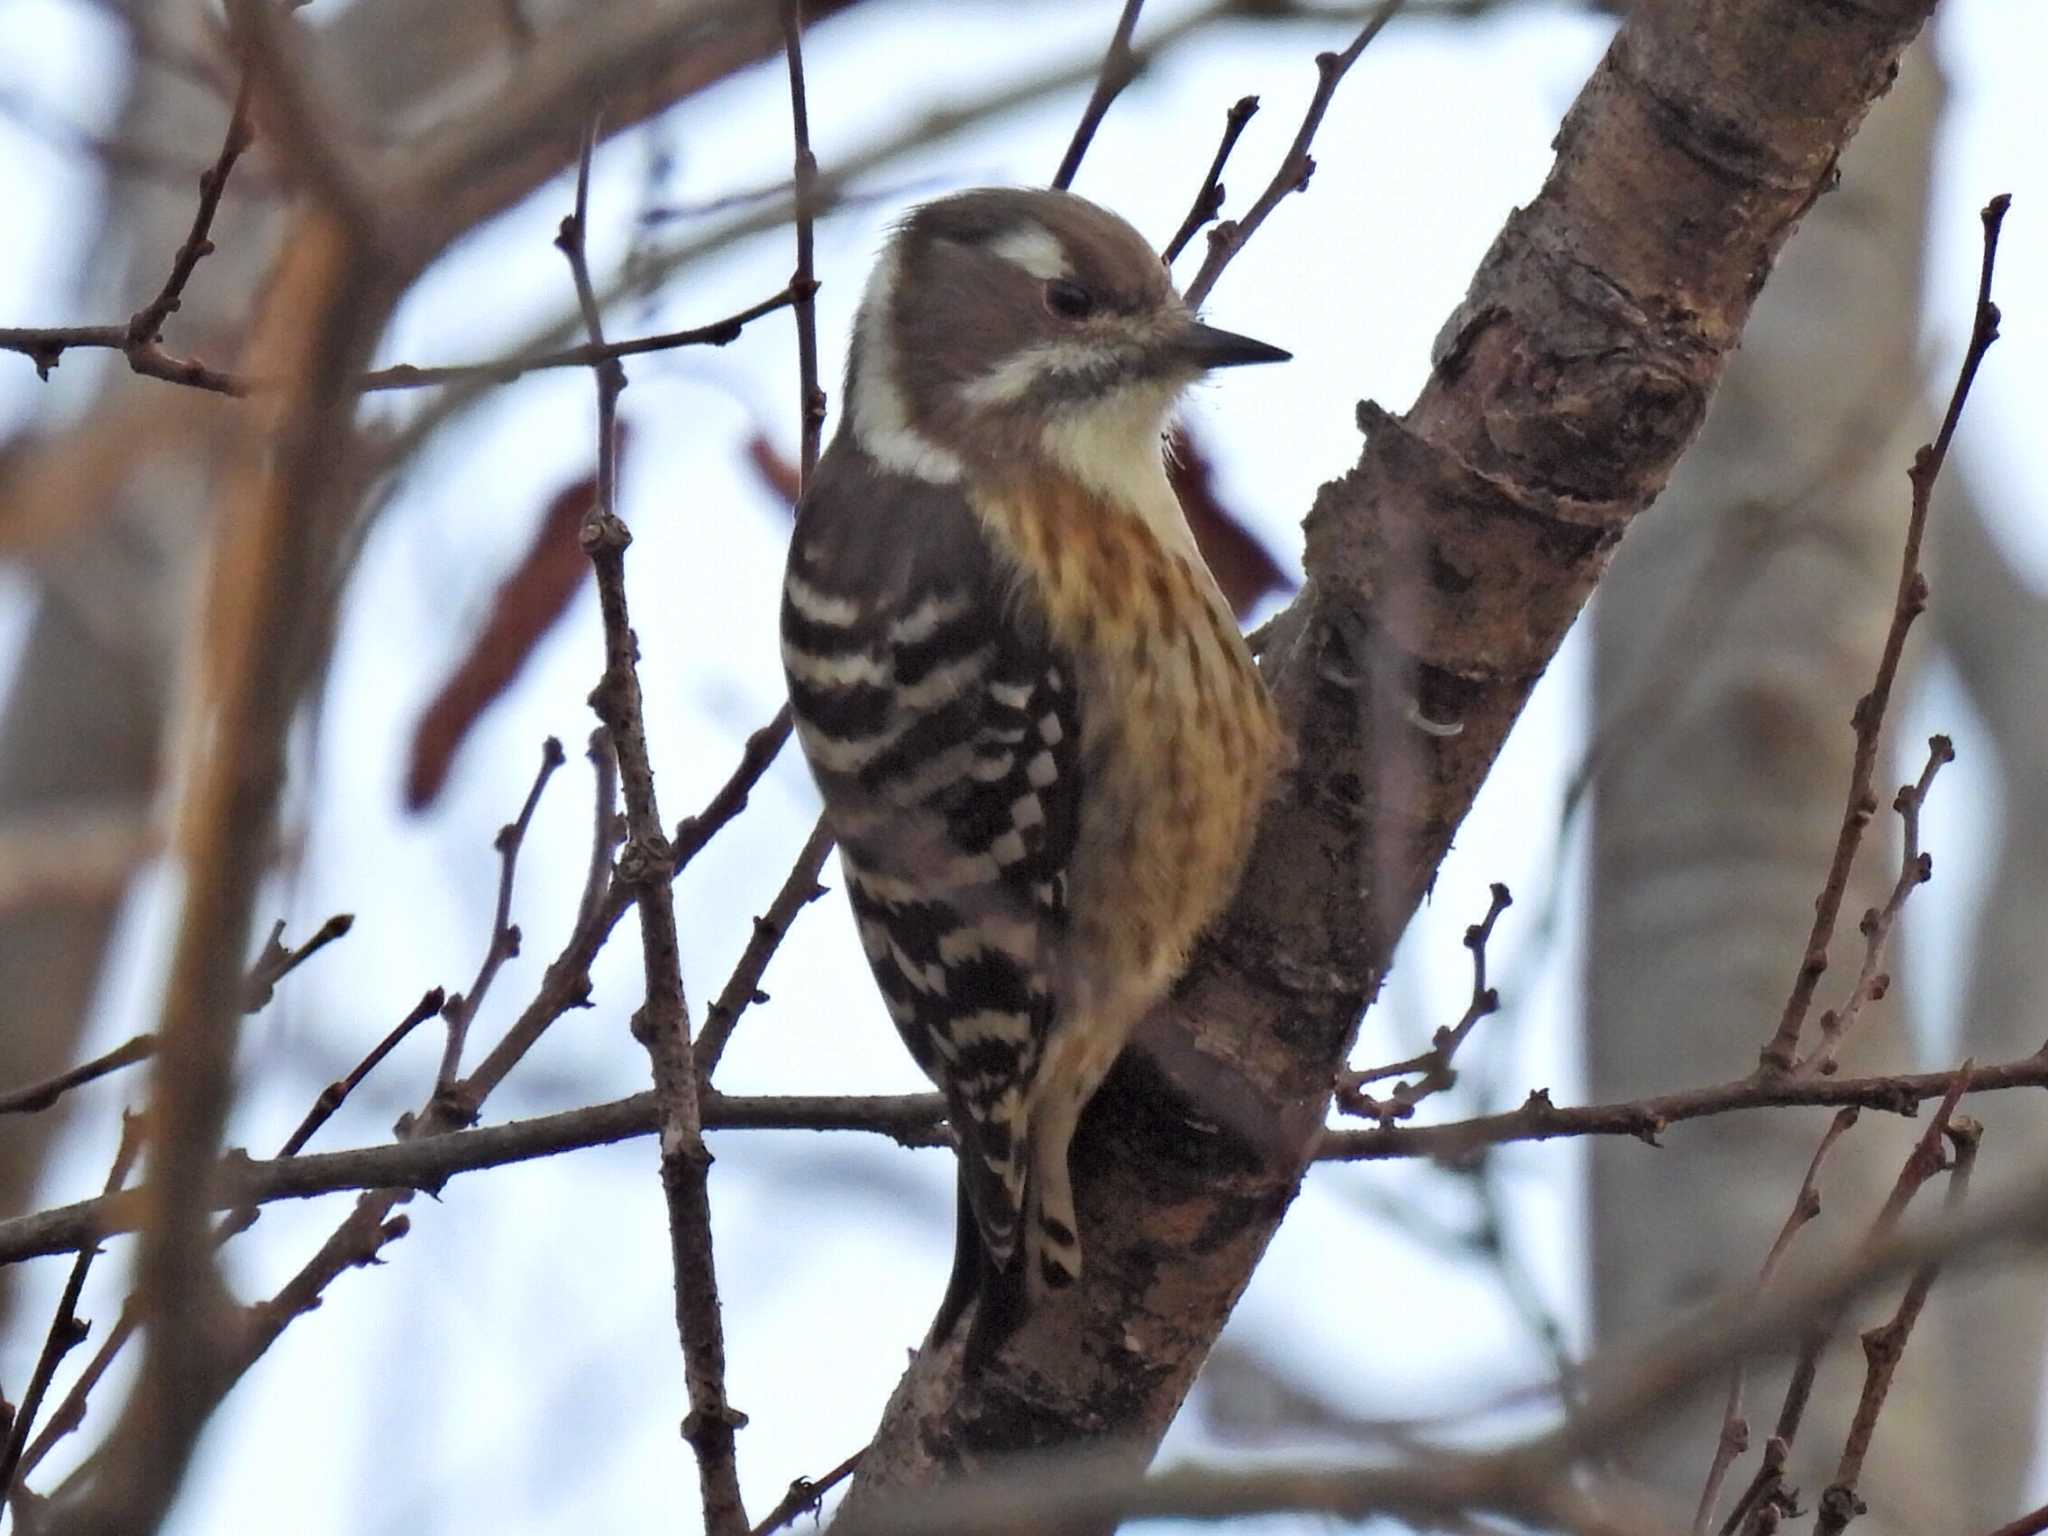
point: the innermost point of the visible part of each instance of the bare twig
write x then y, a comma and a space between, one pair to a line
358, 1241
716, 334
1915, 870
566, 982
662, 1023
146, 325
460, 1010
140, 339
431, 1157
1296, 166
604, 828
66, 1331
1782, 1049
806, 1494
1646, 1119
1884, 1345
331, 1098
833, 189
336, 1093
72, 1410
43, 345
799, 889
275, 962
1734, 1437
70, 1413
693, 832
1119, 68
803, 283
1434, 1064
1767, 1500
1208, 203
40, 1096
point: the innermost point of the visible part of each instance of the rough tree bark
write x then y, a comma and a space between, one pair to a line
1443, 572
1731, 637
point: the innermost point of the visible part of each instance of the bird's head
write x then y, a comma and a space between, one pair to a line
1005, 325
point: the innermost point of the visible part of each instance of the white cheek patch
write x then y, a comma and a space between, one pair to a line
1013, 378
1032, 247
881, 417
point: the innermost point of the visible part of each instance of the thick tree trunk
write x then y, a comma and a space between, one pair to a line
1443, 572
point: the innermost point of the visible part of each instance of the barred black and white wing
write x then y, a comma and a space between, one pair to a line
942, 727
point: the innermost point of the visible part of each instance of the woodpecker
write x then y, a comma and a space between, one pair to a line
1040, 738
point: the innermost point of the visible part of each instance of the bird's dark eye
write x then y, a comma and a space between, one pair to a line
1069, 300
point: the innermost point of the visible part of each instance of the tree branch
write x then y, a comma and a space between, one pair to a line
1296, 166
1781, 1050
436, 1153
1209, 196
40, 1096
662, 1023
1119, 68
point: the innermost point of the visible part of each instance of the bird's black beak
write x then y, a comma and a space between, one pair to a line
1207, 347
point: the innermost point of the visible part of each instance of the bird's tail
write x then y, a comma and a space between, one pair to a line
993, 1288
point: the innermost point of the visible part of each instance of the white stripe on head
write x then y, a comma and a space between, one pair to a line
1033, 247
881, 416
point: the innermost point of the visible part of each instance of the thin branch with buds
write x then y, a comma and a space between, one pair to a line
336, 1093
1434, 1064
1733, 1439
1767, 1499
140, 339
1885, 1345
275, 962
51, 341
1296, 166
460, 1009
71, 1412
799, 889
717, 333
1782, 1049
66, 1331
37, 1097
1916, 868
761, 749
662, 1024
1208, 203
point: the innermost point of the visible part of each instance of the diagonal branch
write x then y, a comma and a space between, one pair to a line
1119, 68
1208, 203
1296, 166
